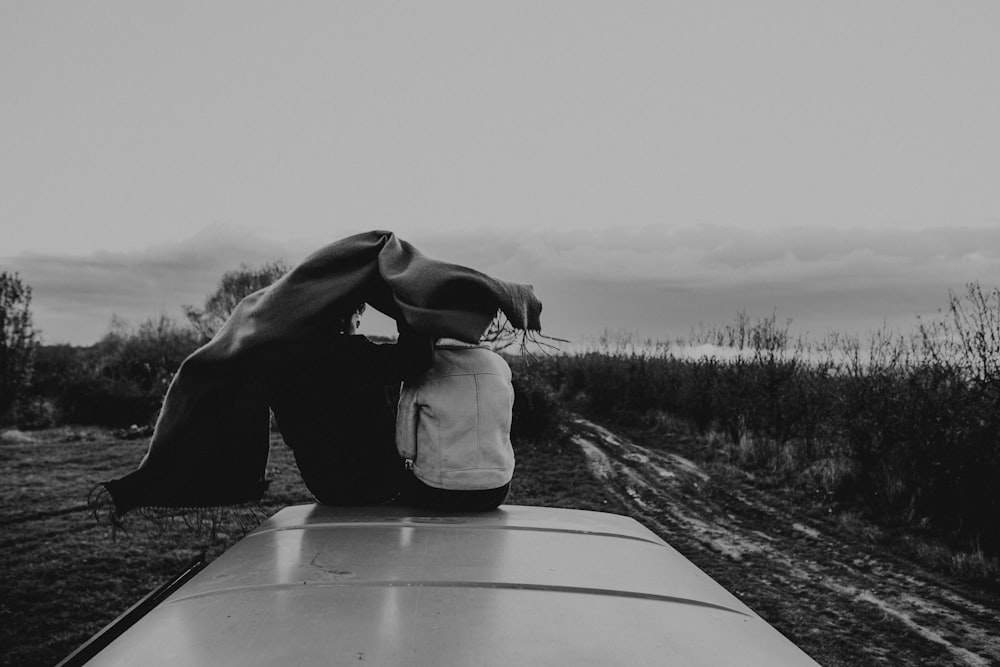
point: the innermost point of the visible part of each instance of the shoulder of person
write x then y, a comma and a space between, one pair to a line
468, 359
455, 344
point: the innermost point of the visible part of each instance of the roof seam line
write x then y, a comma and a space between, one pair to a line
549, 588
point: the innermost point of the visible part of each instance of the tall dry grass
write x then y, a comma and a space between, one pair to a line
905, 427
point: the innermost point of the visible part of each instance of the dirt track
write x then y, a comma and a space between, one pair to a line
843, 602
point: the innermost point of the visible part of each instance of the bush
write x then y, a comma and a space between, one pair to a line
35, 412
119, 381
538, 415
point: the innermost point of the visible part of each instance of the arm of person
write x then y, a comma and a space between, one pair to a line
386, 363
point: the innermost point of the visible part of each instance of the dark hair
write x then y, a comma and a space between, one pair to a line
343, 317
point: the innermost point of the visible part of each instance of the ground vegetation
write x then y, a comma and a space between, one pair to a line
18, 343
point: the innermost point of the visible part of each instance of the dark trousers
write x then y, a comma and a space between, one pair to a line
417, 494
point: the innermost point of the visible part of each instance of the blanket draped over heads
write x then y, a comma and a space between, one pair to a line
210, 444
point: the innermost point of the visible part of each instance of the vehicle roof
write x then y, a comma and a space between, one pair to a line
396, 586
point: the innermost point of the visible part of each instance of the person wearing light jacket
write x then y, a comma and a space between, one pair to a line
453, 430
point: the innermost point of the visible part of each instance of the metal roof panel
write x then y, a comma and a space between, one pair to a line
394, 586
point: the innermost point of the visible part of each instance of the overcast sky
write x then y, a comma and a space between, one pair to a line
645, 165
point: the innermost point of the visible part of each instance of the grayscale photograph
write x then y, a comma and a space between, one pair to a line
558, 332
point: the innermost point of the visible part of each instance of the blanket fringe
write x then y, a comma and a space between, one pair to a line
200, 521
501, 334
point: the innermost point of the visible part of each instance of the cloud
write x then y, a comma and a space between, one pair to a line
74, 296
721, 257
663, 282
660, 281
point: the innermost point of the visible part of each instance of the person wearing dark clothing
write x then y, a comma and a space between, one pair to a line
333, 404
210, 445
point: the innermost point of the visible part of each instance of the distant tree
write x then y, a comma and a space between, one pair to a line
18, 339
234, 286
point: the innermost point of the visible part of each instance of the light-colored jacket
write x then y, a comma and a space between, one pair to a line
453, 423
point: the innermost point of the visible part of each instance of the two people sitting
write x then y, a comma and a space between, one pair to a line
282, 350
447, 446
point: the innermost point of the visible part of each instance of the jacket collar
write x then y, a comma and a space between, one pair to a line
453, 342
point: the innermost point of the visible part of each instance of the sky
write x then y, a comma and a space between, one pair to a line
649, 167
